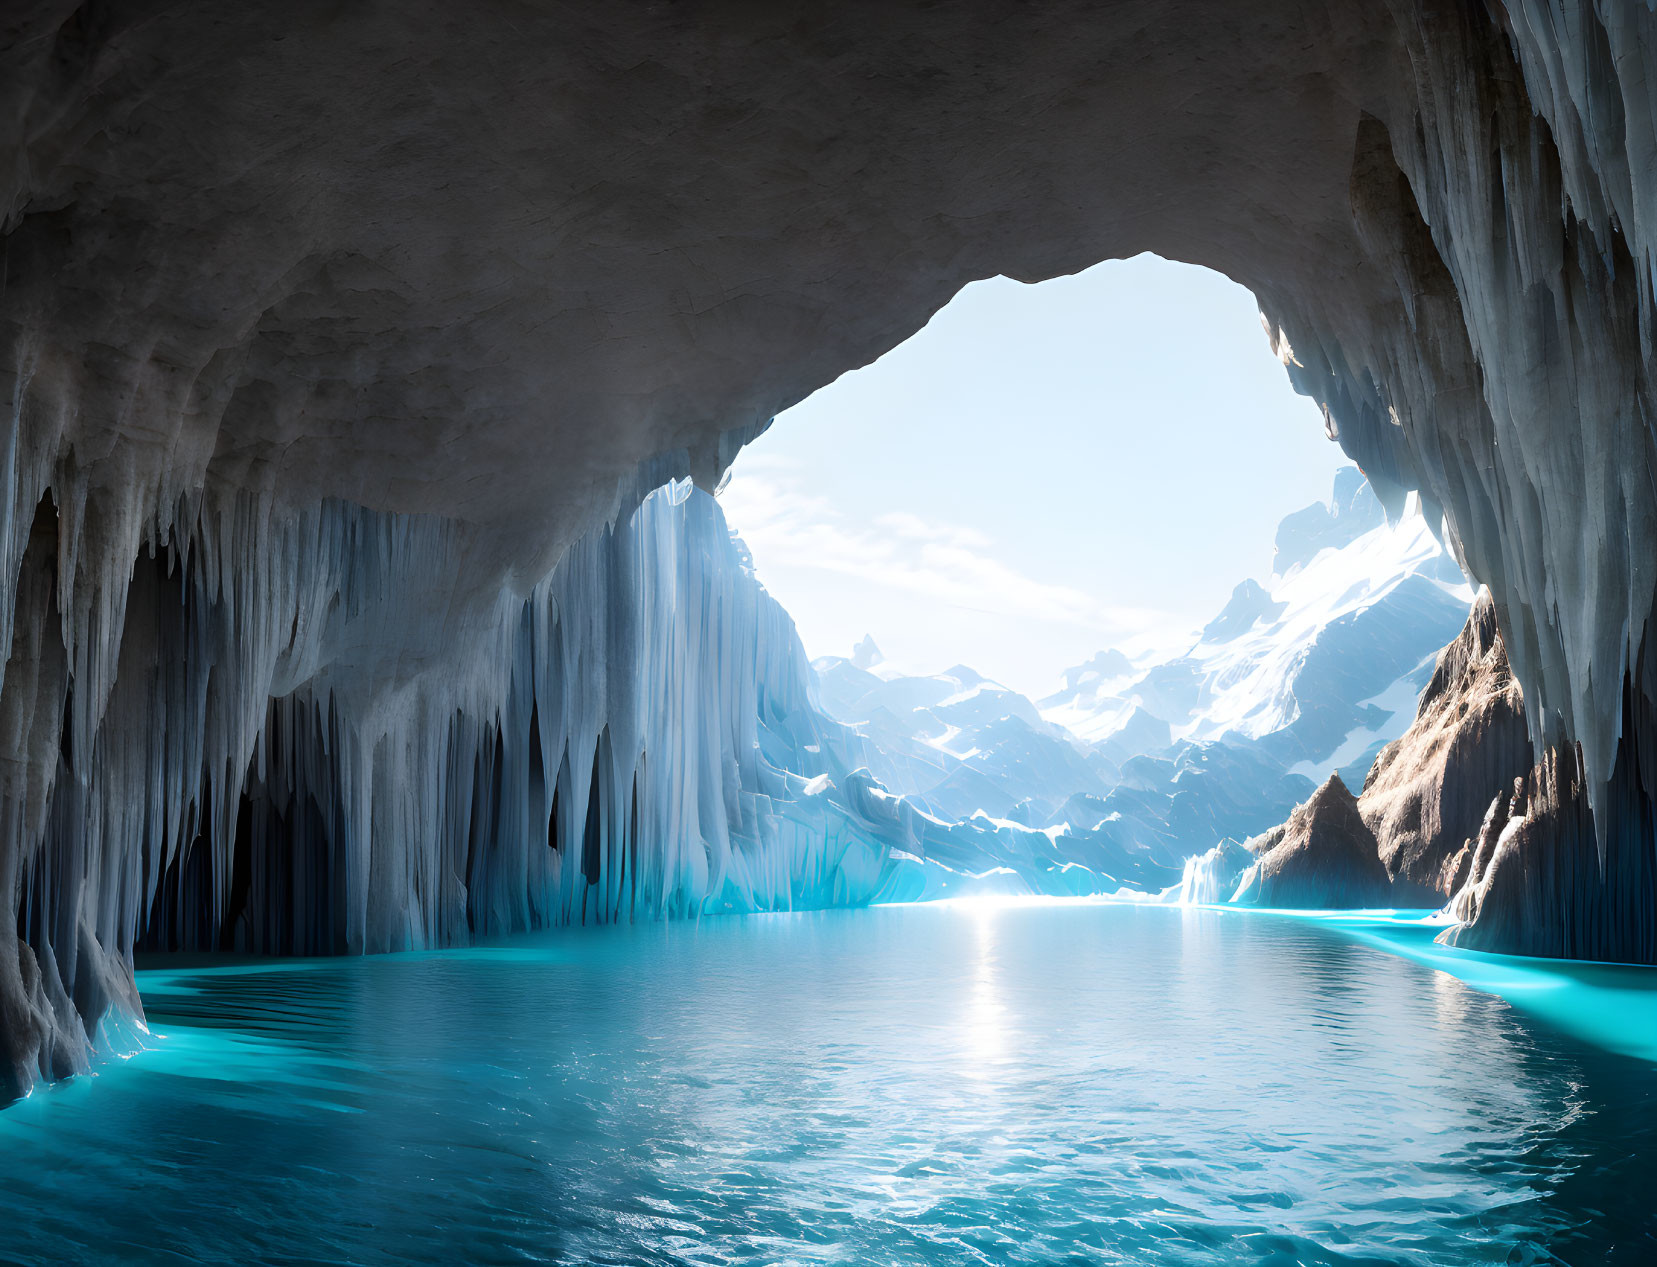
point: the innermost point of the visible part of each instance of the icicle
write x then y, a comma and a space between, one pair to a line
290, 756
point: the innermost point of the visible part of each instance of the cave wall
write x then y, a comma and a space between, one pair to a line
361, 317
637, 739
1427, 794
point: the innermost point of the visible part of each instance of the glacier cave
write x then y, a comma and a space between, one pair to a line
342, 344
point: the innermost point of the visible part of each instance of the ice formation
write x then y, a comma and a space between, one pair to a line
635, 738
1212, 877
327, 332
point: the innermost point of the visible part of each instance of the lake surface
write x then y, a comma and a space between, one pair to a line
1052, 1083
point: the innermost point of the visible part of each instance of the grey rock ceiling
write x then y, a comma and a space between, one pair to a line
489, 270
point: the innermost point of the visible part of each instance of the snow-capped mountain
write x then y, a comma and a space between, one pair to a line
957, 743
1048, 810
1131, 768
1320, 666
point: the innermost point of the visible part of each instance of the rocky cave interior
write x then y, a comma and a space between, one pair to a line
340, 346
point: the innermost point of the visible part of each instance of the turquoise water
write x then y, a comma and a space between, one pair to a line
1054, 1083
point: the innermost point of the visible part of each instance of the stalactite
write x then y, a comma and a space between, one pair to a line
213, 810
1512, 381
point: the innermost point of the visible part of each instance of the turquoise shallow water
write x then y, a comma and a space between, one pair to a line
1056, 1083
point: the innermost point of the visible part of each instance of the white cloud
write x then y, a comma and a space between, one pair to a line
949, 563
914, 528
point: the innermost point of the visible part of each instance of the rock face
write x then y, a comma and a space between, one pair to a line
1324, 858
1456, 814
1459, 816
1526, 893
327, 331
1428, 792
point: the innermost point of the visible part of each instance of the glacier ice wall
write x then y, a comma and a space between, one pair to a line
1212, 877
636, 738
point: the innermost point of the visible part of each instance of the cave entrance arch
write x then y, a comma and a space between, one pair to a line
1057, 509
1040, 472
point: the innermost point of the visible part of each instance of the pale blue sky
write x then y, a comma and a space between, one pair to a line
1041, 472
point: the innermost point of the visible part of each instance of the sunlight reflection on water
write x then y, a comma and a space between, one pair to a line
994, 1082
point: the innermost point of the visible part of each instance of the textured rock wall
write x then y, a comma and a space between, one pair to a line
1324, 857
1526, 889
1428, 791
1455, 813
362, 316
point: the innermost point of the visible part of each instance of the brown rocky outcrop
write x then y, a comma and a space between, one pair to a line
1428, 791
1455, 813
1324, 857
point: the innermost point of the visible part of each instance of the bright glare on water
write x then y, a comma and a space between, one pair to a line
949, 1084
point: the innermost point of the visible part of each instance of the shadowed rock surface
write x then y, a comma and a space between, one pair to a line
1324, 857
1428, 792
1462, 813
1524, 892
342, 325
1455, 814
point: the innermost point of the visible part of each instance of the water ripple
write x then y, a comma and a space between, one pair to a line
1067, 1084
